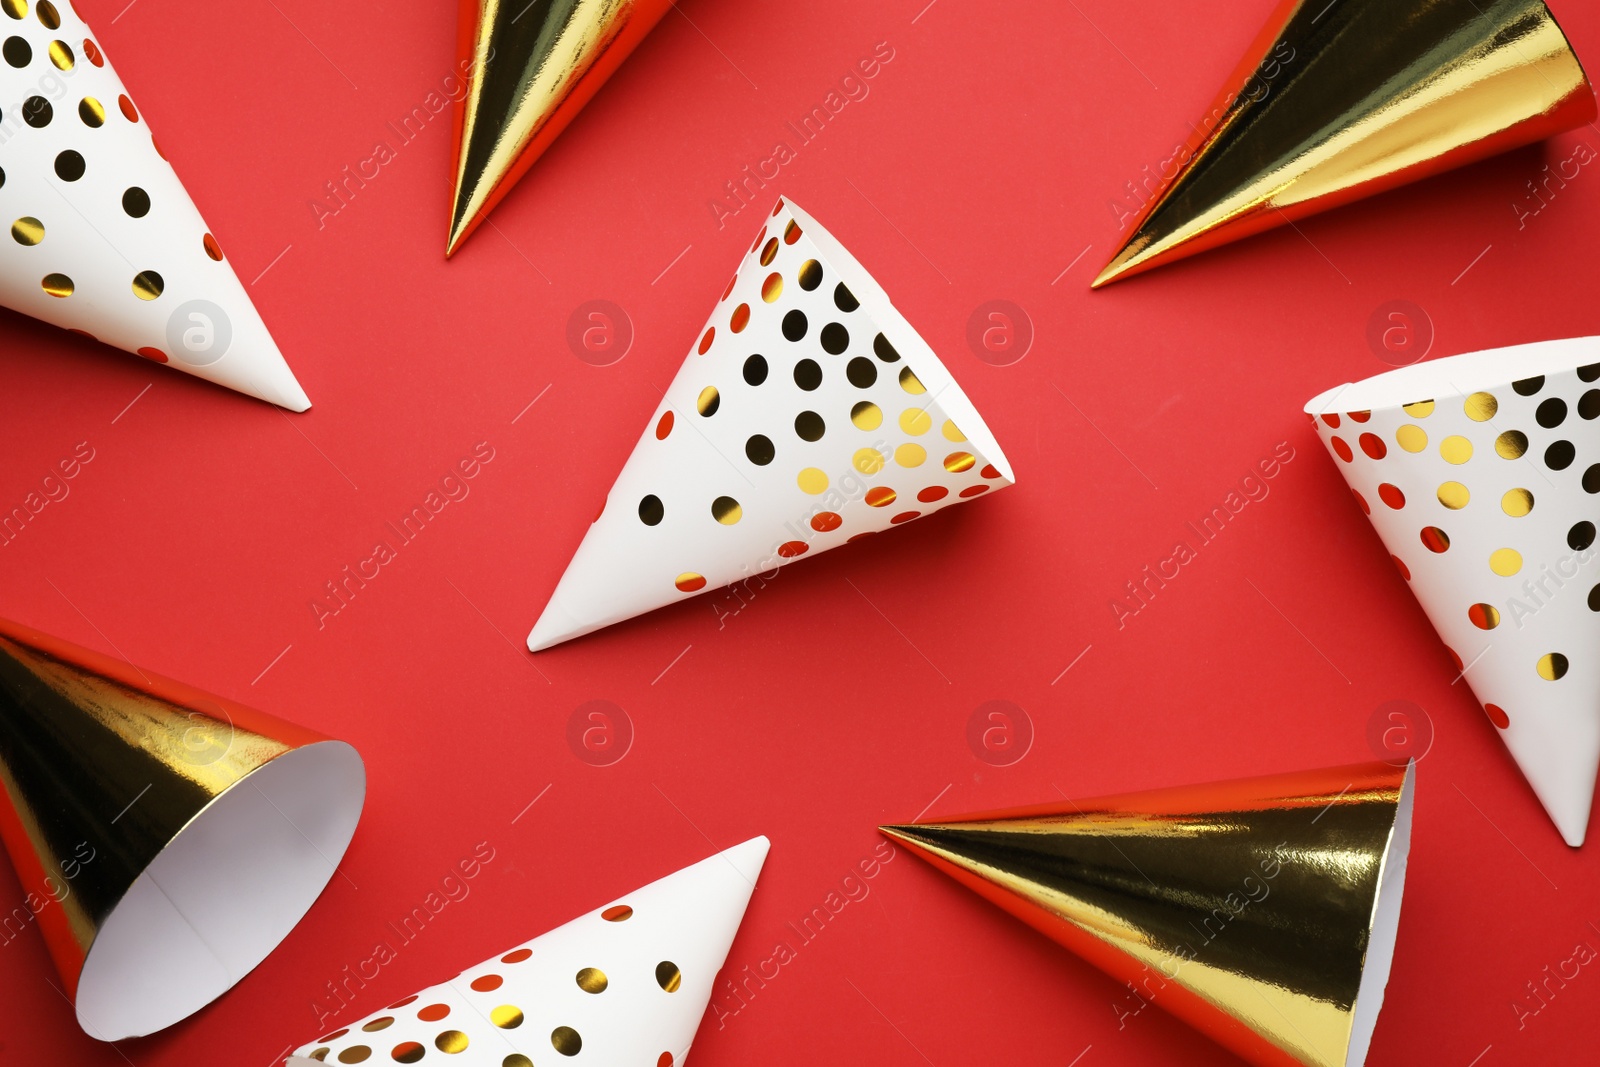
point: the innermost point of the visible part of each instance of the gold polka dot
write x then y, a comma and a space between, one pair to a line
58, 285
27, 231
915, 421
1455, 449
1480, 407
592, 980
1552, 666
772, 288
92, 112
565, 1038
689, 582
708, 401
516, 1059
668, 976
408, 1052
769, 252
17, 9
911, 383
810, 274
48, 14
866, 415
868, 460
1484, 616
355, 1054
381, 1023
506, 1017
1454, 495
952, 432
147, 285
1505, 561
959, 462
813, 481
1511, 444
726, 510
451, 1041
320, 1055
61, 55
1411, 437
1516, 503
1420, 410
909, 455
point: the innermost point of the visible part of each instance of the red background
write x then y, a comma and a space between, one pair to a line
979, 168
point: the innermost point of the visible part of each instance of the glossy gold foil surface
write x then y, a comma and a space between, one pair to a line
1339, 100
1245, 908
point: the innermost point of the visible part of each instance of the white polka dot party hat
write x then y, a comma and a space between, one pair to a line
1480, 473
623, 986
808, 414
102, 239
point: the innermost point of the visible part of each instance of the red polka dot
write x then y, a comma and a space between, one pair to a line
824, 521
1391, 495
615, 914
664, 426
129, 112
705, 342
776, 208
433, 1013
932, 493
1455, 658
153, 353
666, 1057
791, 549
407, 1052
791, 233
762, 236
523, 953
157, 146
880, 496
213, 249
83, 333
1497, 715
1435, 539
1373, 446
92, 52
731, 283
1405, 572
402, 1003
973, 490
905, 516
336, 1035
1366, 508
860, 536
1359, 416
488, 983
1341, 449
1331, 420
690, 583
990, 471
740, 319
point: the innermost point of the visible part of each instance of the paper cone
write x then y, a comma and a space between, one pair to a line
1480, 473
1262, 911
534, 64
103, 239
1338, 100
166, 839
808, 414
624, 985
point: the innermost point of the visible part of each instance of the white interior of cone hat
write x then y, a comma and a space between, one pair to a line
1466, 373
1385, 925
927, 366
222, 895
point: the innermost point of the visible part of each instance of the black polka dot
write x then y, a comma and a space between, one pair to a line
2, 177
17, 51
1552, 412
37, 112
1559, 456
1528, 386
862, 372
844, 299
884, 350
1591, 479
835, 338
794, 325
136, 202
755, 370
810, 275
1581, 536
1589, 404
69, 166
1594, 599
651, 510
809, 425
807, 375
1589, 373
759, 450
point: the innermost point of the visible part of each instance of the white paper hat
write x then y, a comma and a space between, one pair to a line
1480, 473
625, 985
99, 235
808, 414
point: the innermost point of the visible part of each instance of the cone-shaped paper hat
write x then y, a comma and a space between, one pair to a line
1338, 100
625, 985
103, 239
808, 414
533, 65
166, 839
1262, 911
1480, 473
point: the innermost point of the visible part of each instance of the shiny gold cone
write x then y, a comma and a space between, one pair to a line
1337, 101
532, 66
166, 840
1261, 911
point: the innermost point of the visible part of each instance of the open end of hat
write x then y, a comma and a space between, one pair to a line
1455, 375
223, 894
927, 366
1385, 926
